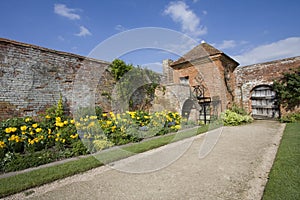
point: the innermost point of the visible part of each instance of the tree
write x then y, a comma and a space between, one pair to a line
118, 68
288, 89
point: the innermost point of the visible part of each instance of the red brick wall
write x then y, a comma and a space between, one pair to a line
248, 77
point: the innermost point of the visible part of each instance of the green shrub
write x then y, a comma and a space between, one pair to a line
238, 110
231, 118
78, 148
18, 162
291, 118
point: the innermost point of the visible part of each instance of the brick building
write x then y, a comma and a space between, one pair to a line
215, 77
205, 81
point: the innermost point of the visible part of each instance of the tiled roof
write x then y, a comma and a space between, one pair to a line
200, 51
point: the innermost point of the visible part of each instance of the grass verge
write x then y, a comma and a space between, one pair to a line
21, 182
284, 178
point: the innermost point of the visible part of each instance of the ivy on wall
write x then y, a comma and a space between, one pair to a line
288, 89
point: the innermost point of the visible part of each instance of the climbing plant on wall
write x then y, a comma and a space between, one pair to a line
288, 88
133, 80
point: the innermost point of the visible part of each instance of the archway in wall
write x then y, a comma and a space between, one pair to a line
189, 110
264, 102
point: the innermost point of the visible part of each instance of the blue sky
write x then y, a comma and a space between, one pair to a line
250, 31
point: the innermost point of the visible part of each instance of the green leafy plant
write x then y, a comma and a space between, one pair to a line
231, 118
118, 68
288, 89
291, 118
59, 111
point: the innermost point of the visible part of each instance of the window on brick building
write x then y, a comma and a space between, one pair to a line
184, 80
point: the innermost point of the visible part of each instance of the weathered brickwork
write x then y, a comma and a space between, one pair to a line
209, 68
249, 77
32, 78
222, 79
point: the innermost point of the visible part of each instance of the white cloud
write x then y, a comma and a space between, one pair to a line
226, 44
64, 11
83, 32
120, 28
190, 22
285, 48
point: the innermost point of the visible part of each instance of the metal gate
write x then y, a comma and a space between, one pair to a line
264, 103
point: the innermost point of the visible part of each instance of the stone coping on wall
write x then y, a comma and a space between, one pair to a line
279, 61
17, 43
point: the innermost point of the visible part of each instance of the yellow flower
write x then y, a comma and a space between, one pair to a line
27, 119
30, 141
72, 121
56, 139
23, 133
74, 136
11, 138
104, 115
35, 125
113, 128
17, 139
2, 144
49, 131
47, 117
59, 124
14, 138
23, 128
63, 140
93, 117
8, 130
108, 122
38, 130
66, 122
91, 124
57, 119
177, 127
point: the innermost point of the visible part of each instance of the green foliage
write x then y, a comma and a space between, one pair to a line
78, 148
231, 118
27, 142
291, 118
23, 161
118, 68
235, 108
59, 111
288, 88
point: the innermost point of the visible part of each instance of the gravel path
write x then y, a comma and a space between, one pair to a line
236, 168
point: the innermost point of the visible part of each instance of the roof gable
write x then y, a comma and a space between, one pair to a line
201, 51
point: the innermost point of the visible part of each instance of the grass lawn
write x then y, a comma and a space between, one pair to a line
284, 178
20, 182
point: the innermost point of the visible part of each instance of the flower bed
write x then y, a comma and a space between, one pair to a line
27, 142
